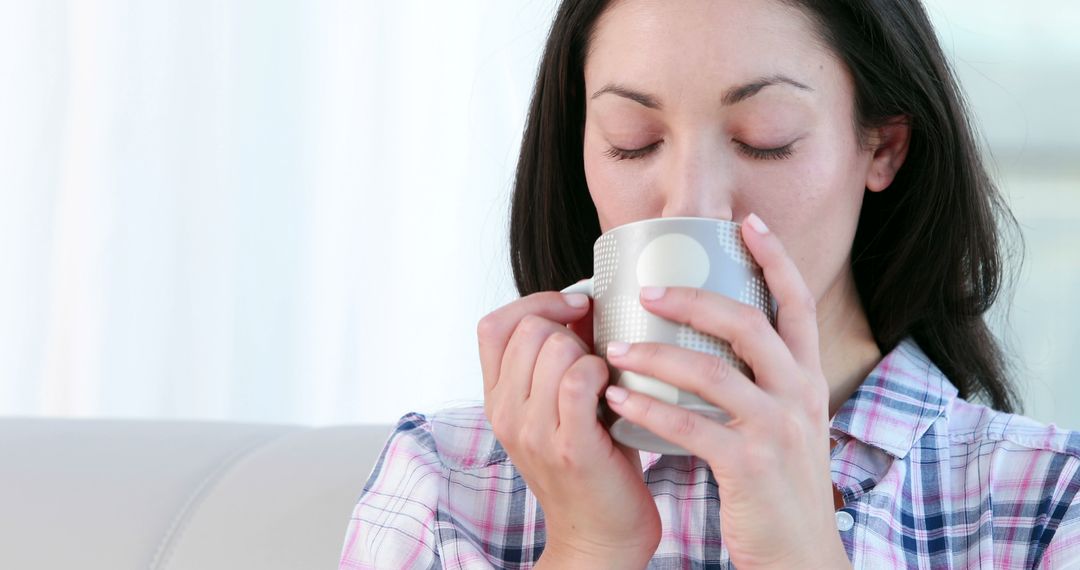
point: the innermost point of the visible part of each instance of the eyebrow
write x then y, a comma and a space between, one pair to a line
731, 96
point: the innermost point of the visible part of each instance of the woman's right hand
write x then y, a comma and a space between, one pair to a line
542, 387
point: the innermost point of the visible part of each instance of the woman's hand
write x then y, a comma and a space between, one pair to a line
771, 461
541, 391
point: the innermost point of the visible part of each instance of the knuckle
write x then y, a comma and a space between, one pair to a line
717, 370
531, 324
752, 319
489, 327
684, 423
563, 343
597, 364
562, 453
575, 385
531, 441
651, 411
648, 350
499, 425
584, 385
582, 374
568, 455
647, 409
790, 430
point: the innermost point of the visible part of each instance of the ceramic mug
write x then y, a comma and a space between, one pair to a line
667, 252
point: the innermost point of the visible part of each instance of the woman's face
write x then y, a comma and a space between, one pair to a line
720, 108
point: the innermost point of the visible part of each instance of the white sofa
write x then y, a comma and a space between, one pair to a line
171, 495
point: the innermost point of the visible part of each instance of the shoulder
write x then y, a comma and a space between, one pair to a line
455, 438
425, 495
464, 439
1026, 459
975, 424
1029, 474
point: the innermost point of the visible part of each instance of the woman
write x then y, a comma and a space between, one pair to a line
834, 130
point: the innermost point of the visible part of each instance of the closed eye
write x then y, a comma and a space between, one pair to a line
630, 154
778, 153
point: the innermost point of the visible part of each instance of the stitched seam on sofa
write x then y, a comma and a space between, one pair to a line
176, 529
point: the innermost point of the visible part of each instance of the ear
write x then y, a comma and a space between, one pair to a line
890, 145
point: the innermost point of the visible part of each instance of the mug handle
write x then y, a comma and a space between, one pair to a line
584, 286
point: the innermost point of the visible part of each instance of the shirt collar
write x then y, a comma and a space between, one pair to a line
898, 401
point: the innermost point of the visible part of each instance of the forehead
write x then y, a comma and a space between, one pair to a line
675, 46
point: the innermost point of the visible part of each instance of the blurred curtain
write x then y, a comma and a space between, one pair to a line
279, 211
295, 211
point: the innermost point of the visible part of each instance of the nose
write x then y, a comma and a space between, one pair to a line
698, 182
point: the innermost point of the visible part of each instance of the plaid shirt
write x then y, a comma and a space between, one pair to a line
929, 481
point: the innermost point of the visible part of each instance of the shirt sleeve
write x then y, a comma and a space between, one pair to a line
1063, 544
392, 524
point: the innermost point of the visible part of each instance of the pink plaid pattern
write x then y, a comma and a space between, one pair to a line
930, 480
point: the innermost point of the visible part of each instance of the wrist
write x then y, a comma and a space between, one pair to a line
569, 556
833, 556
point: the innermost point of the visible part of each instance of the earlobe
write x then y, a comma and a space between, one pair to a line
890, 143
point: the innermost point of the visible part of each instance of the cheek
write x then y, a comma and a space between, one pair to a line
817, 217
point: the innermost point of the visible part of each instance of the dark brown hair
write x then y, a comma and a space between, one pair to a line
926, 257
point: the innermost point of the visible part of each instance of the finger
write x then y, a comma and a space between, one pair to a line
519, 360
708, 376
494, 330
557, 355
579, 396
697, 434
796, 318
744, 327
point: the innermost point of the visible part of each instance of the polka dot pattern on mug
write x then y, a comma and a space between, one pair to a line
624, 316
731, 241
687, 337
755, 294
607, 261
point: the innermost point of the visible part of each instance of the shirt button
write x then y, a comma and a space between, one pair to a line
844, 521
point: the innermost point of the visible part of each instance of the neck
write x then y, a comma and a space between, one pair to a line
848, 349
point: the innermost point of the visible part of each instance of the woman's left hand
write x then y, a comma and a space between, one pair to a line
771, 461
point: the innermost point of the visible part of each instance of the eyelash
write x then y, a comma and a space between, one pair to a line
778, 153
630, 154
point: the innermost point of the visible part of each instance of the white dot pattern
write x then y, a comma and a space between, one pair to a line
687, 337
732, 242
756, 294
624, 317
607, 261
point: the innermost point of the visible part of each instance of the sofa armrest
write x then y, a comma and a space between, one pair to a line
170, 495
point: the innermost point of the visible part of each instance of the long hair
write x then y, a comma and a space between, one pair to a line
926, 257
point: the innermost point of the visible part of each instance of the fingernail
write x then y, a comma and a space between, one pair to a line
577, 300
756, 223
616, 395
652, 293
617, 348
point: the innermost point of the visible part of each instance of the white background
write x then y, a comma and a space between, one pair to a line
296, 211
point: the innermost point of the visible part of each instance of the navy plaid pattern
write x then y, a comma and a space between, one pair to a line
930, 481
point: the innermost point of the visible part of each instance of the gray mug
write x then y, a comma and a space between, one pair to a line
667, 252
